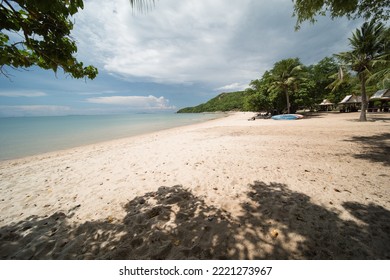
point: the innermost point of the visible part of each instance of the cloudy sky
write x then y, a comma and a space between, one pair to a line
178, 54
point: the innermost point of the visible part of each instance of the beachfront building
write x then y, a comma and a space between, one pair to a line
326, 105
380, 101
350, 103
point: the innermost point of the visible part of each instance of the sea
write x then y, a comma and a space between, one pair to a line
27, 136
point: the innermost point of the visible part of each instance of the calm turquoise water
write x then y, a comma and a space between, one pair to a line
25, 136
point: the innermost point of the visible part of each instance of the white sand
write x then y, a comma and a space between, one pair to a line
317, 188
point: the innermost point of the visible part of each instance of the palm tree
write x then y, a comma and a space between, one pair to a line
286, 75
368, 49
382, 65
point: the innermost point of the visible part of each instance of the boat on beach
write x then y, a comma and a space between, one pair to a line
287, 117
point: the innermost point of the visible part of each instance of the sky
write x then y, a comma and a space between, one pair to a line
176, 54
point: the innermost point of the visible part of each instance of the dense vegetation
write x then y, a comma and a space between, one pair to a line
44, 28
290, 85
269, 92
232, 101
307, 10
45, 41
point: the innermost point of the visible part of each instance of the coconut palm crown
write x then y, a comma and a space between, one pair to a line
285, 77
368, 49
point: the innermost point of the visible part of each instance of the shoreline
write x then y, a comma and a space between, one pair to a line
226, 188
76, 146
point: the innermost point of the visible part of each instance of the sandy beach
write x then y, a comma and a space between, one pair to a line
316, 188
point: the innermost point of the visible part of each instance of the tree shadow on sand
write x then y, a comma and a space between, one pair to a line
172, 223
376, 148
304, 230
382, 117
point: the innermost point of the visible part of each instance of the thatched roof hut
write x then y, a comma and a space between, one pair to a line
383, 94
380, 101
326, 102
351, 99
350, 103
326, 105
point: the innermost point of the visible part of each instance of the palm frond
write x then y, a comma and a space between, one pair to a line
380, 77
339, 80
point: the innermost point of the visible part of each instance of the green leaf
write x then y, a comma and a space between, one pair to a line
46, 27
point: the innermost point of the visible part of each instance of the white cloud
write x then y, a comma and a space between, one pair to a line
34, 110
217, 42
22, 94
134, 102
176, 42
233, 87
97, 92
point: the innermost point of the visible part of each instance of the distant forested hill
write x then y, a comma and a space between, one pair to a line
231, 101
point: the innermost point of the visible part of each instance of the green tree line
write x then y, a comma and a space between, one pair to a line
363, 70
232, 101
291, 85
305, 86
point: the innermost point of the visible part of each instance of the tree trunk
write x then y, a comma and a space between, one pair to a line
363, 117
288, 102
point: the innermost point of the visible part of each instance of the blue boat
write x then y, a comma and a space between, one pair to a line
287, 117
